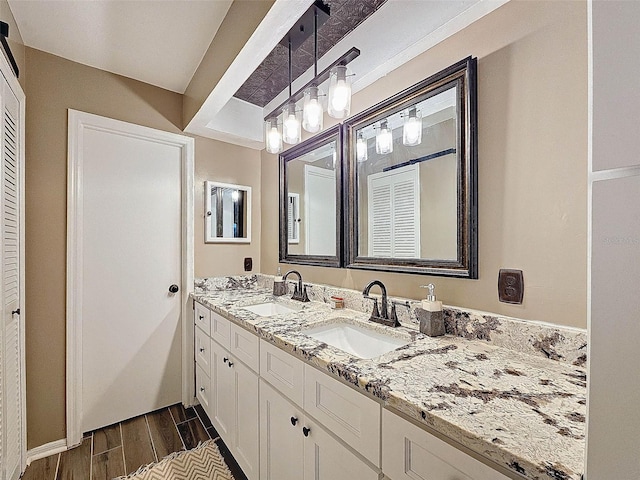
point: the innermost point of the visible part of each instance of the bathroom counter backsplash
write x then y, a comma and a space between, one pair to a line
564, 344
512, 391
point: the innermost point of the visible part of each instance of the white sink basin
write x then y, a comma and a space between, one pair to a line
269, 309
359, 341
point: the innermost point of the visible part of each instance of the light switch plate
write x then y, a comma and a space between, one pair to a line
510, 286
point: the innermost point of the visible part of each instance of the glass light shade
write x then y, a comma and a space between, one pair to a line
291, 132
384, 139
272, 136
312, 111
361, 149
339, 104
412, 129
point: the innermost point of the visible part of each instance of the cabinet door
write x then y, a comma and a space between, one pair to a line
203, 389
245, 444
327, 459
281, 439
411, 453
222, 398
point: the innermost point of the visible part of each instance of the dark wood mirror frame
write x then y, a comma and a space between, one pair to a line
463, 76
317, 141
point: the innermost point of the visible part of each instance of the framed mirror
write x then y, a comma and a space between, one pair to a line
227, 213
412, 181
311, 201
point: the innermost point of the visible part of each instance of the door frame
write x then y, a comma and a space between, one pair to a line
78, 122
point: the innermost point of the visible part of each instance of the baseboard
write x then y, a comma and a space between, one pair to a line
45, 450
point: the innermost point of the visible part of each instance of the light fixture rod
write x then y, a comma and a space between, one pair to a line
290, 71
345, 59
315, 43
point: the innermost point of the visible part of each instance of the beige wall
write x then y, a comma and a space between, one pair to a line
223, 162
53, 86
532, 122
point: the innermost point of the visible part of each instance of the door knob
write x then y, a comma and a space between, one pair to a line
174, 288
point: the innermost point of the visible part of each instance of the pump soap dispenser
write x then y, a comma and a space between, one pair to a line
430, 315
279, 287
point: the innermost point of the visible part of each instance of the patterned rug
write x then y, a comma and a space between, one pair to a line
202, 463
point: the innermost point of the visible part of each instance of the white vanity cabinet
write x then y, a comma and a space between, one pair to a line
295, 447
410, 453
226, 387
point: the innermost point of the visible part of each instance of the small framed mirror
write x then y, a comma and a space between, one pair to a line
227, 213
412, 186
311, 201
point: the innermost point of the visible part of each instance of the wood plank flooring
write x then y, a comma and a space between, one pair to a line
122, 448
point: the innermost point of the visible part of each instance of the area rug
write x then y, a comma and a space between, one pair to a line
201, 463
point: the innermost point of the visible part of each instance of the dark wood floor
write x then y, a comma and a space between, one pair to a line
122, 448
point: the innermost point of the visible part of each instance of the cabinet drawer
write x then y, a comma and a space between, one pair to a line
220, 330
245, 346
347, 413
410, 453
202, 317
283, 371
203, 352
203, 389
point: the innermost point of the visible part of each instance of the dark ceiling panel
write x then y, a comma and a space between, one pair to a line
272, 76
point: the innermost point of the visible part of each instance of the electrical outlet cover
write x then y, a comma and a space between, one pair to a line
510, 286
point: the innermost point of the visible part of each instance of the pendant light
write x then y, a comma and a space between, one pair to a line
312, 111
291, 132
339, 104
412, 128
273, 135
384, 138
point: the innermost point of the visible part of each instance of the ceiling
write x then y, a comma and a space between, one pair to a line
162, 42
157, 42
272, 76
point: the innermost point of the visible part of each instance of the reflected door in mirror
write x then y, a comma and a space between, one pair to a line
227, 213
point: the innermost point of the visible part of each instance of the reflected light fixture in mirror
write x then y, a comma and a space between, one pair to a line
384, 138
339, 92
412, 128
361, 149
272, 135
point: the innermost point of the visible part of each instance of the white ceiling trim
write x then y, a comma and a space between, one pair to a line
275, 25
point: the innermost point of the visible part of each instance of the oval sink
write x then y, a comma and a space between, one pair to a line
269, 309
356, 340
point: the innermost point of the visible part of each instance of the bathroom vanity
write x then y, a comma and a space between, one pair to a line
292, 406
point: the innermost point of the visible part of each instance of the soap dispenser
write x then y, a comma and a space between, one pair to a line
279, 287
430, 315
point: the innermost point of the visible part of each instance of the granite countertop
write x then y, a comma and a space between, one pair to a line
524, 412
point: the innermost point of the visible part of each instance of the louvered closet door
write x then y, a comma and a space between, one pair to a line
11, 422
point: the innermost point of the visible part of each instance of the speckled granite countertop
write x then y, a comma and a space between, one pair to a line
524, 412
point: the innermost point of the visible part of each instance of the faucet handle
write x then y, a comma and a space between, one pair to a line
305, 297
394, 315
376, 312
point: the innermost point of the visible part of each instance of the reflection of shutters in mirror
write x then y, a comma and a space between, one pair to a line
293, 218
394, 213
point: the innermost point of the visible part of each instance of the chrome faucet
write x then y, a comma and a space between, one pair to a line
383, 317
300, 290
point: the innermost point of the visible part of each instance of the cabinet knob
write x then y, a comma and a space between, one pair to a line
202, 389
225, 360
294, 420
306, 431
230, 364
16, 312
201, 349
201, 317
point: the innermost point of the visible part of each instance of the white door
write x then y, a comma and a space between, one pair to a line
128, 256
320, 210
11, 331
